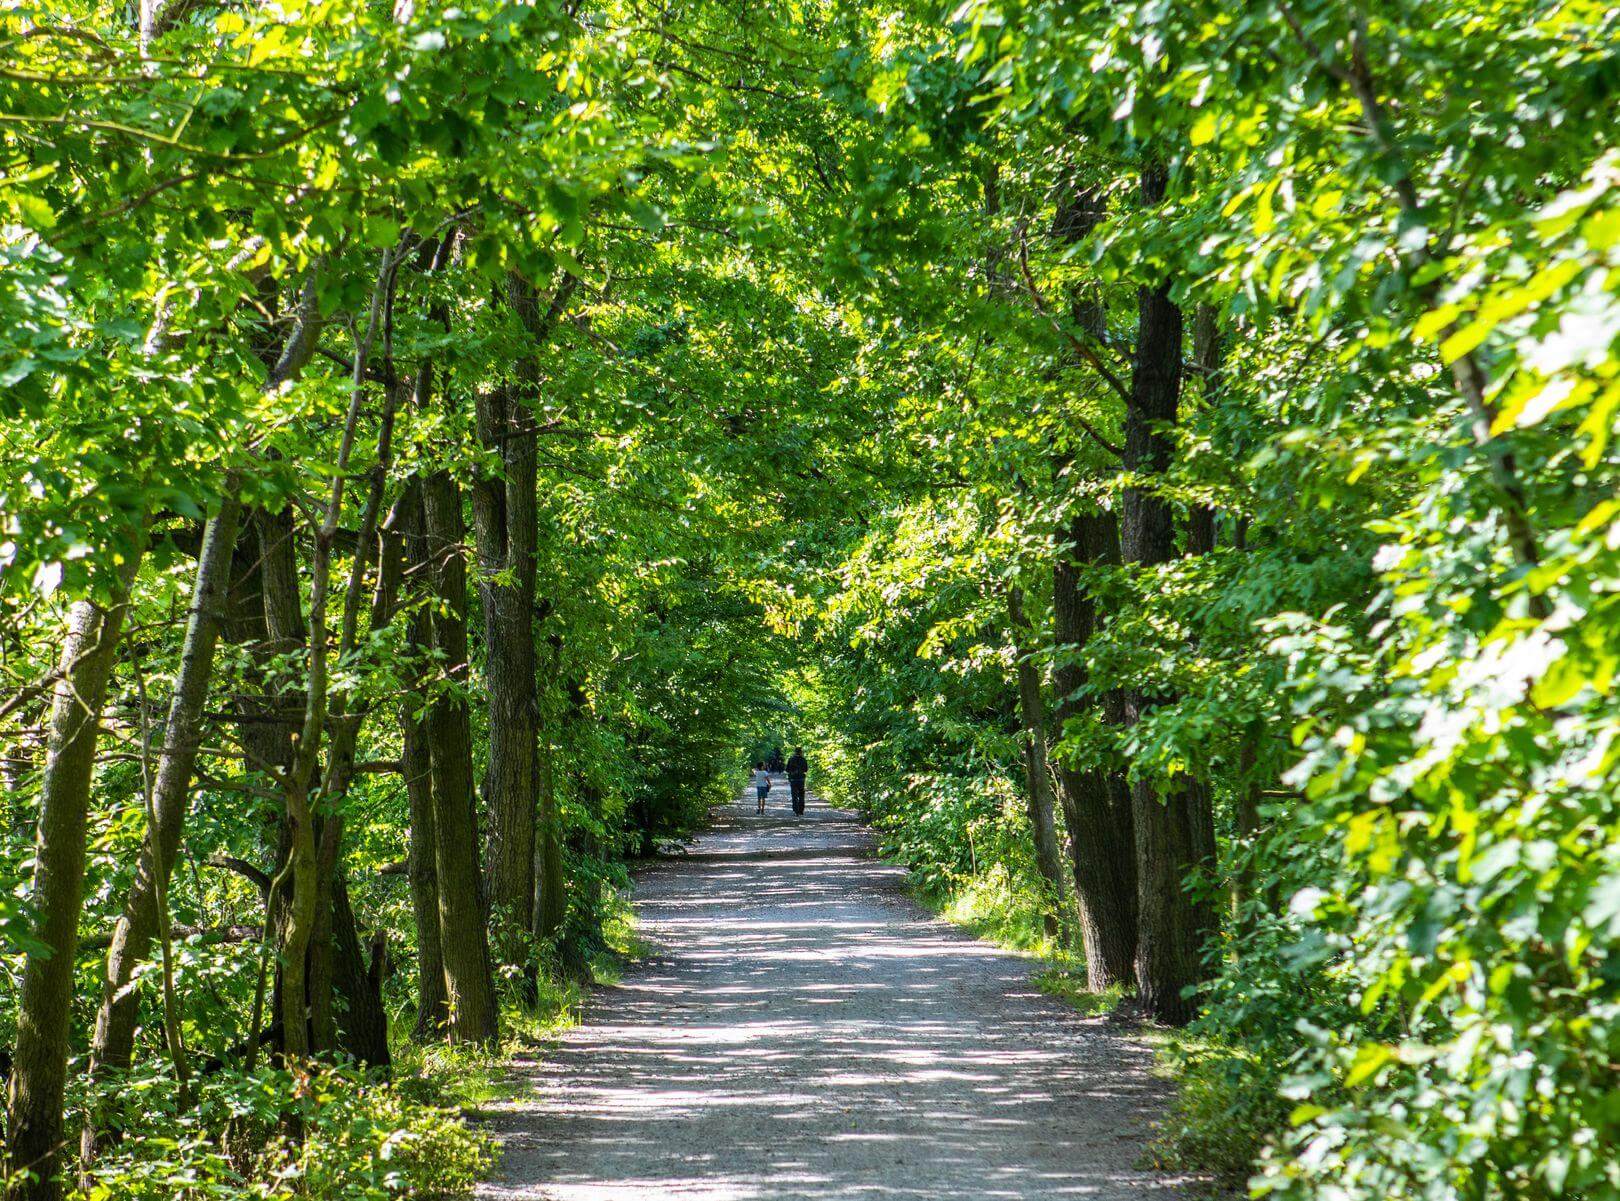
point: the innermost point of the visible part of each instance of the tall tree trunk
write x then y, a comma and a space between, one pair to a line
506, 516
471, 1011
463, 939
1096, 801
276, 745
551, 893
506, 542
337, 967
432, 1005
273, 742
113, 1042
312, 860
45, 1002
1037, 777
1172, 922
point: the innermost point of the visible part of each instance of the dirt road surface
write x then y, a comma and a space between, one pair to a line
803, 1031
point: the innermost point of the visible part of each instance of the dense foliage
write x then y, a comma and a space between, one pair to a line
1158, 456
1382, 643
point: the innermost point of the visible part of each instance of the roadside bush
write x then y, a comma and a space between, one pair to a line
333, 1134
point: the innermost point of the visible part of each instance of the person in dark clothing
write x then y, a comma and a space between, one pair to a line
796, 767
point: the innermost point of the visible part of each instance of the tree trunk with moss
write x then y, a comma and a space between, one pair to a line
34, 1122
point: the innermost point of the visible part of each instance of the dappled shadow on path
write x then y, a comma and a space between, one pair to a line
805, 1031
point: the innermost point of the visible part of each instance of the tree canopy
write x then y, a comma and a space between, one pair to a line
1157, 456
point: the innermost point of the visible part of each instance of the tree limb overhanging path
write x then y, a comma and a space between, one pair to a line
803, 1030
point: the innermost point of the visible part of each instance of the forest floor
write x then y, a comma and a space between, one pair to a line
801, 1029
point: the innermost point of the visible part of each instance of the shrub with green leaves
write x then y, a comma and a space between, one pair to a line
233, 1136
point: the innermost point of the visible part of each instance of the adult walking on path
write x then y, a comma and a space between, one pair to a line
796, 769
805, 1032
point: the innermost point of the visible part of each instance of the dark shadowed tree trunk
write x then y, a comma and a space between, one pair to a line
416, 763
271, 743
1172, 922
346, 1010
34, 1123
1096, 801
462, 936
1037, 777
308, 971
551, 893
559, 713
1207, 354
362, 1022
433, 1006
505, 514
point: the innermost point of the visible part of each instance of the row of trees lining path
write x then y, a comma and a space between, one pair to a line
1170, 444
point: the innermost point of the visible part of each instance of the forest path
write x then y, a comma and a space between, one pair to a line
804, 1030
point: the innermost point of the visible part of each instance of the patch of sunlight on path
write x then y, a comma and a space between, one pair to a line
805, 1032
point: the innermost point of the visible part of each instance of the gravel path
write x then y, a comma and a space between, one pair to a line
804, 1031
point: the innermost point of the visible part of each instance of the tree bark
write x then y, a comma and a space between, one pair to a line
1037, 777
337, 968
34, 1122
1173, 922
273, 743
1096, 801
506, 516
551, 891
506, 587
362, 1022
313, 856
469, 987
270, 616
113, 1042
469, 1006
432, 1004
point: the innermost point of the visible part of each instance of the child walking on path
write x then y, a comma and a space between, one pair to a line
762, 784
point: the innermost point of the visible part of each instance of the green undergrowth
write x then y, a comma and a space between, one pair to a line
1227, 1107
415, 1134
999, 908
622, 940
334, 1133
1068, 984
